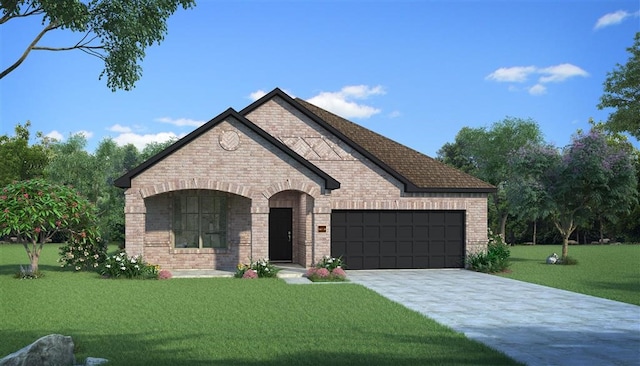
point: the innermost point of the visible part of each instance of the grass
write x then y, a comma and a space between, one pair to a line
607, 271
221, 321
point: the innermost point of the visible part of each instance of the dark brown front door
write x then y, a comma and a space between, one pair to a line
280, 234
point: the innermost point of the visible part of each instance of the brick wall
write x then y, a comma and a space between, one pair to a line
259, 176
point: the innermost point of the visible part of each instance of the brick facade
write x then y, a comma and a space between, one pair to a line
257, 176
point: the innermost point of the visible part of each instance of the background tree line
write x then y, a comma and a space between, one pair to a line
69, 163
587, 189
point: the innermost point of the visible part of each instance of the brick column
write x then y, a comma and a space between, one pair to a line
134, 215
259, 228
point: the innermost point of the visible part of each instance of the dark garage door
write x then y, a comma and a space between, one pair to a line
371, 239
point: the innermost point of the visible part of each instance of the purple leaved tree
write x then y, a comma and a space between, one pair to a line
591, 175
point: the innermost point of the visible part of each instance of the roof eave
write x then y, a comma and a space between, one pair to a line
125, 180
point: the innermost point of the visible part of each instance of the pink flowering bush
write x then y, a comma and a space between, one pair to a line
164, 274
250, 274
262, 268
327, 270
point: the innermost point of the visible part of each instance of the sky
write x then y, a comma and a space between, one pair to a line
414, 71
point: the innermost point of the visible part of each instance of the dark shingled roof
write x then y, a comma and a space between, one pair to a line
417, 171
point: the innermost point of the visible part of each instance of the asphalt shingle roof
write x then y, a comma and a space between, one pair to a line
420, 172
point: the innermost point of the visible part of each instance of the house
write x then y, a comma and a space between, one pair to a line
286, 180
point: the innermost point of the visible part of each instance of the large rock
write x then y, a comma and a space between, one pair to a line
51, 350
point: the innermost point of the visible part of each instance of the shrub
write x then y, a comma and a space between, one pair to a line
329, 269
123, 266
495, 259
83, 252
330, 263
164, 274
262, 268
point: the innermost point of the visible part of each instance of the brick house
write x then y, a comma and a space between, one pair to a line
286, 180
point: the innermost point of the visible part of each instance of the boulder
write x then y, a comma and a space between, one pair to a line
95, 361
50, 350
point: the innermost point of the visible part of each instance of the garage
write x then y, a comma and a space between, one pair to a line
384, 239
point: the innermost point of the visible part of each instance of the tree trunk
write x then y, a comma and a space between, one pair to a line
503, 227
566, 228
535, 231
565, 245
601, 231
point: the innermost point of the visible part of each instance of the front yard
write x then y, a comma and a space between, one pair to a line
221, 321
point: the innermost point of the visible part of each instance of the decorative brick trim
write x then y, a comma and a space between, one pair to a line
309, 188
195, 183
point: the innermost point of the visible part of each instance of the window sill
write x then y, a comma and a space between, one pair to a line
199, 250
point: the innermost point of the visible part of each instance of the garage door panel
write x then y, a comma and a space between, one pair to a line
405, 248
368, 239
388, 248
388, 262
372, 232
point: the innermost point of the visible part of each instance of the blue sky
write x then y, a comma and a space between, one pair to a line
414, 71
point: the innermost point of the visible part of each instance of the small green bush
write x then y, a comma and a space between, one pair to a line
495, 259
123, 266
259, 269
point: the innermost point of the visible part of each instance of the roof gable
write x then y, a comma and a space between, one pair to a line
418, 172
125, 180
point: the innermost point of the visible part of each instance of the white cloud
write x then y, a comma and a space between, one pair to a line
560, 73
612, 19
257, 94
516, 74
341, 102
551, 74
180, 122
55, 135
140, 141
538, 89
394, 114
119, 128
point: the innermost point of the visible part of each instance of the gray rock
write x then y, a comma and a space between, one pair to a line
552, 259
95, 361
50, 350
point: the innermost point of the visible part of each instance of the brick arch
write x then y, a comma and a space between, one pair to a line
194, 183
309, 188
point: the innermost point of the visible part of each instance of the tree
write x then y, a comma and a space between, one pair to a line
71, 164
34, 210
622, 92
20, 160
589, 173
526, 192
115, 31
484, 153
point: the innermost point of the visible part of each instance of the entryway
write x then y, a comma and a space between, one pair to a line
280, 234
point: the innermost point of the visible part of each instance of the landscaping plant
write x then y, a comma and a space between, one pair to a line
495, 259
34, 211
122, 266
261, 268
327, 270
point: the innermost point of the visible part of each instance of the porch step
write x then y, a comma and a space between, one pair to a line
289, 270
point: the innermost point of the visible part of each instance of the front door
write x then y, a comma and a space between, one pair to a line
280, 234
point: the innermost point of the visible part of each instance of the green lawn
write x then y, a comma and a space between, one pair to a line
608, 271
221, 321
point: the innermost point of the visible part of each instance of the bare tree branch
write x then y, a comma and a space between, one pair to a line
49, 27
5, 18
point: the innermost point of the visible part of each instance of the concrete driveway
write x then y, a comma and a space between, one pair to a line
533, 324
